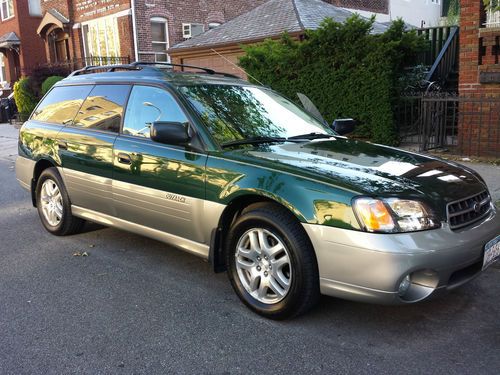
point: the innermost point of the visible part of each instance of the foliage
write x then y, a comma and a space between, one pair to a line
493, 5
49, 82
452, 13
25, 98
41, 73
343, 68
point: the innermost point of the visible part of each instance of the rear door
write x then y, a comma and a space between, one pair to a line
86, 146
157, 185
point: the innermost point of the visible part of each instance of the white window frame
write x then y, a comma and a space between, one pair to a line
9, 16
163, 21
116, 44
190, 26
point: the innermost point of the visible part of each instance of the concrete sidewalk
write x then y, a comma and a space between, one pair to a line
490, 172
8, 142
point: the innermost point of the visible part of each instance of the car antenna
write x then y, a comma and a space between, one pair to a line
243, 70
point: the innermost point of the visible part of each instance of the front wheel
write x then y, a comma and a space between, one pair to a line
271, 263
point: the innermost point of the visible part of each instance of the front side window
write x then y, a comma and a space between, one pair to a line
234, 113
7, 9
61, 104
103, 108
149, 104
159, 38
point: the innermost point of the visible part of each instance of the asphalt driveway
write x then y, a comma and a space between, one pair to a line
135, 305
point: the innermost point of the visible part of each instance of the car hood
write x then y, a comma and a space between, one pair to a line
369, 169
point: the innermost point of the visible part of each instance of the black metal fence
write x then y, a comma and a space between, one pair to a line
465, 125
79, 63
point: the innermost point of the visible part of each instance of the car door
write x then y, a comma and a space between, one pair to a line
158, 185
86, 147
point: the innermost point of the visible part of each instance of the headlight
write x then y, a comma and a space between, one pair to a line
393, 215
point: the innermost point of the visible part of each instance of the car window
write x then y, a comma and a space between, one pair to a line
149, 104
61, 104
103, 108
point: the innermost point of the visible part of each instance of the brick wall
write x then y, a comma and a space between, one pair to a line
31, 51
377, 6
188, 11
479, 53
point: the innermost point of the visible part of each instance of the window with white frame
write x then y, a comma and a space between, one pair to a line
3, 76
7, 9
101, 38
159, 38
35, 7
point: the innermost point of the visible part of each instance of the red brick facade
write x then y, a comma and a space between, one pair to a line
178, 12
18, 59
480, 101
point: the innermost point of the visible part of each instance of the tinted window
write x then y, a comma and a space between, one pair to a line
147, 105
61, 104
103, 108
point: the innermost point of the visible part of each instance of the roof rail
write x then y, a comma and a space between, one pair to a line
206, 70
108, 68
139, 65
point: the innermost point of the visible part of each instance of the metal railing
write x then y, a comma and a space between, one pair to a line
463, 125
447, 60
492, 18
436, 38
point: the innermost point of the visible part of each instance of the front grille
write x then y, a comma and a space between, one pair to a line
468, 210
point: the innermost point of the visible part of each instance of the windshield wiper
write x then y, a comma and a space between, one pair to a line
253, 141
312, 136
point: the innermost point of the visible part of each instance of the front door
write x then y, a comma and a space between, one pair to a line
156, 185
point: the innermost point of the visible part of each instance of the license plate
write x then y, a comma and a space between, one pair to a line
491, 252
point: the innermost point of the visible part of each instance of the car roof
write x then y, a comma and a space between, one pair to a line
149, 73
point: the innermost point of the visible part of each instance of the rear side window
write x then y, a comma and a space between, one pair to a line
61, 104
103, 108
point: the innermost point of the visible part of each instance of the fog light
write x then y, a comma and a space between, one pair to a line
404, 286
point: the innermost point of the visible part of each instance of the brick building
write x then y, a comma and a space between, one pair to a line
87, 32
479, 80
20, 46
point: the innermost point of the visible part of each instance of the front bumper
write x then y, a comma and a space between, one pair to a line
369, 267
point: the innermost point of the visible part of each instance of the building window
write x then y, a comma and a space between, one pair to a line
35, 8
190, 30
101, 40
159, 38
436, 2
7, 9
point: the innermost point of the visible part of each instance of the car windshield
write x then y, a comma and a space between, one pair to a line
233, 113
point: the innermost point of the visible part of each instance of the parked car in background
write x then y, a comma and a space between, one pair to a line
239, 175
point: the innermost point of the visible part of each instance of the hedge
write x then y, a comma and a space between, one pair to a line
24, 97
49, 82
343, 68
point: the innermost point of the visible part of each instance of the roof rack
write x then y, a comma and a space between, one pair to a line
107, 68
206, 70
139, 65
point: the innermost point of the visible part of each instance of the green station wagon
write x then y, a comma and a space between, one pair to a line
242, 177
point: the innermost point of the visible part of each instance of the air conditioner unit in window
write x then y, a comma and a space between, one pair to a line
190, 30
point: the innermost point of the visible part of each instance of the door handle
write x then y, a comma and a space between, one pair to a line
124, 158
62, 145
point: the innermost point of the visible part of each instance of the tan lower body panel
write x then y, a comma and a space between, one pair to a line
196, 248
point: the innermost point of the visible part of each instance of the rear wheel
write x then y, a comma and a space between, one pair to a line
271, 263
54, 206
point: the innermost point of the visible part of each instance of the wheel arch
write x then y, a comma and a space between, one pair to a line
40, 166
234, 209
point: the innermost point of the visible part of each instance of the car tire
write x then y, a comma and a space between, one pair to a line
54, 206
266, 236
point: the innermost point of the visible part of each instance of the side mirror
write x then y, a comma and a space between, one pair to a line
171, 133
344, 125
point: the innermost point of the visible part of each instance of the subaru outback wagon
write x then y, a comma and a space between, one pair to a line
242, 177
